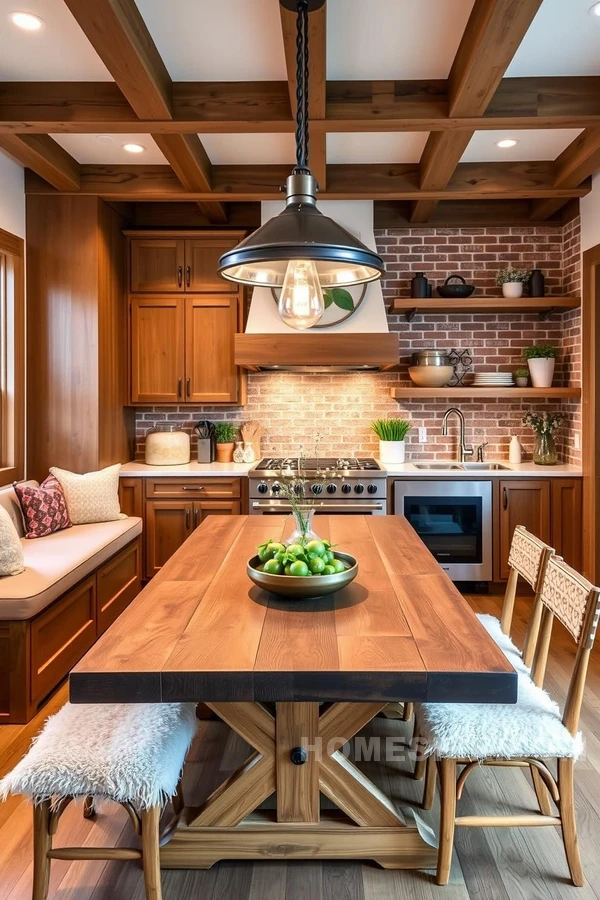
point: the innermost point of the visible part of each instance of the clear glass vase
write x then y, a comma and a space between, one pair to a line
303, 530
544, 451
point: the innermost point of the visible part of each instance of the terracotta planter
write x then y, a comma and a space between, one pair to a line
521, 380
512, 289
225, 452
541, 371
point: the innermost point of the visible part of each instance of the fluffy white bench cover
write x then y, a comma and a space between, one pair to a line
531, 727
124, 752
512, 653
53, 564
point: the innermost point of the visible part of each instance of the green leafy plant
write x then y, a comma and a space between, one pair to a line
391, 429
510, 276
544, 424
225, 432
521, 373
540, 351
340, 296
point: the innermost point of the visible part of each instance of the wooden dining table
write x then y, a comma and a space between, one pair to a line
297, 679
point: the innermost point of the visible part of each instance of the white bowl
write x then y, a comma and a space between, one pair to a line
431, 376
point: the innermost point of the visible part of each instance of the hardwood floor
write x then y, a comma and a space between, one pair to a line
490, 864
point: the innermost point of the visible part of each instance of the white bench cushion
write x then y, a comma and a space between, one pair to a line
512, 653
53, 564
123, 751
531, 727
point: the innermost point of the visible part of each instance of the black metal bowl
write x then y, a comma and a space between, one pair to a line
459, 291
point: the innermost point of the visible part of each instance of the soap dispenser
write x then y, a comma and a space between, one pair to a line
514, 451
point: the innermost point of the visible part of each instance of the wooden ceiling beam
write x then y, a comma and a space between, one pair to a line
317, 91
576, 163
345, 182
45, 157
189, 160
493, 33
264, 107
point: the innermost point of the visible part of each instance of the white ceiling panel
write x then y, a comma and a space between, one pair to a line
108, 149
563, 39
401, 147
59, 51
393, 39
217, 40
533, 144
249, 149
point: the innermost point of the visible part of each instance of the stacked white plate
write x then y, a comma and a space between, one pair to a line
493, 379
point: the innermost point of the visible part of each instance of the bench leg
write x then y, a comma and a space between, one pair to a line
42, 843
150, 852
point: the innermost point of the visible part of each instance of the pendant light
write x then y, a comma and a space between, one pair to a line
301, 250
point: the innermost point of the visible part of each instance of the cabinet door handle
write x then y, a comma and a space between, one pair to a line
504, 498
179, 386
187, 517
196, 514
179, 276
188, 387
188, 275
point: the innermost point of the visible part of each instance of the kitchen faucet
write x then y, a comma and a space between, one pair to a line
464, 450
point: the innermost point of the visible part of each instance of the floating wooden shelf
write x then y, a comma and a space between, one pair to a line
501, 393
545, 306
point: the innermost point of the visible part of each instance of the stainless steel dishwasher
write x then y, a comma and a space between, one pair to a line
454, 519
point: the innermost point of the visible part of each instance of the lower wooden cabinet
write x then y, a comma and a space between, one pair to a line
170, 522
567, 500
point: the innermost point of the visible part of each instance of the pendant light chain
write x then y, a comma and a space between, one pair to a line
302, 87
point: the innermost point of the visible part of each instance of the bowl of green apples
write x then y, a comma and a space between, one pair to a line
303, 570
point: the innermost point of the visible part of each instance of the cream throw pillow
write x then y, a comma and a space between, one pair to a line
93, 497
11, 551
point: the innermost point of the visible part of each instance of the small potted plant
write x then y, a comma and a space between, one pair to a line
511, 281
522, 377
391, 434
541, 359
225, 434
544, 451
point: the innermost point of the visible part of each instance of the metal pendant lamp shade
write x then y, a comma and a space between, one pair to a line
301, 232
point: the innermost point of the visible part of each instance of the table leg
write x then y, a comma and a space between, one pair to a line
297, 753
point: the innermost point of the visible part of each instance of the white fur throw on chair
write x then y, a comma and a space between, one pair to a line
125, 752
531, 728
493, 628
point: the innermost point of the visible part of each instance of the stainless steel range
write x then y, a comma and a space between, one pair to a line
340, 486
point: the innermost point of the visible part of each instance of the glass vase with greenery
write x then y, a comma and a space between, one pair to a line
544, 450
301, 491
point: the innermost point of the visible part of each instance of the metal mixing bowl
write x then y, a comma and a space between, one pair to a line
304, 587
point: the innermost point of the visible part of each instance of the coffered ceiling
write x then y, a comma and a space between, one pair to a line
409, 101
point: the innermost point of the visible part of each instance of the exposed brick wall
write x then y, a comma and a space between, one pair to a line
294, 407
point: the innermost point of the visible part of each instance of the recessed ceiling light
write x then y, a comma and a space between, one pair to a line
26, 21
134, 148
507, 142
105, 138
594, 10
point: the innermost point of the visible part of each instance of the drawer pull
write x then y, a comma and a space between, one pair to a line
194, 488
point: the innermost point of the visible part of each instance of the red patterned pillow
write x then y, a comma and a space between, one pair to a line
44, 508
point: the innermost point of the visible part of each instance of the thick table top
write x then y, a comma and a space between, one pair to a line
201, 630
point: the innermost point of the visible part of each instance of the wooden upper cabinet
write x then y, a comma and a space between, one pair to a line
202, 266
157, 349
157, 265
210, 326
522, 502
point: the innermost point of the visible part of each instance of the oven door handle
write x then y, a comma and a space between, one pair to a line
329, 507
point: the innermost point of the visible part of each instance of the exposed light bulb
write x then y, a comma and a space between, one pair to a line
301, 302
594, 10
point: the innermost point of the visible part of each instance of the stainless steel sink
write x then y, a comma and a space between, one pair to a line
462, 467
442, 466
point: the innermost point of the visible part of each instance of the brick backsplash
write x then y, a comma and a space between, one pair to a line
293, 407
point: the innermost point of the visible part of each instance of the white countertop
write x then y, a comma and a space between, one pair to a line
523, 470
191, 468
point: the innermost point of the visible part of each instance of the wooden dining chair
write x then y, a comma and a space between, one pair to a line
526, 734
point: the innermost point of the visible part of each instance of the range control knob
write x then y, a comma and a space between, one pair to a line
275, 487
359, 488
262, 488
346, 488
316, 488
298, 489
372, 489
331, 488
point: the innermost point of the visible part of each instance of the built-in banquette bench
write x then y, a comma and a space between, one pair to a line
75, 584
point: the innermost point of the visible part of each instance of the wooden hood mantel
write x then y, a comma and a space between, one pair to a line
309, 351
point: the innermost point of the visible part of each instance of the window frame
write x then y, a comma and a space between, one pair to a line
12, 359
